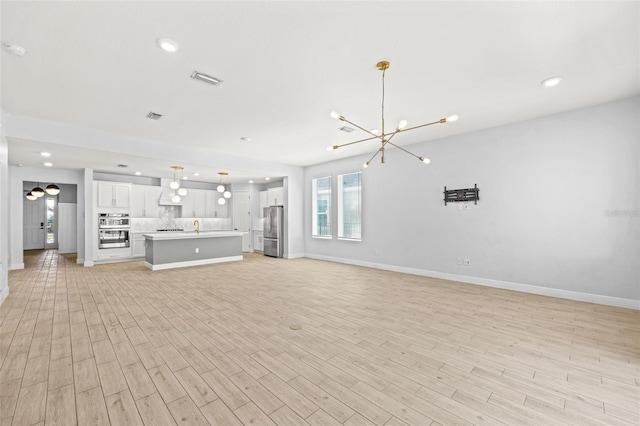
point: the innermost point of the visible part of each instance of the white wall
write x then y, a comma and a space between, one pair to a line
17, 175
558, 209
4, 210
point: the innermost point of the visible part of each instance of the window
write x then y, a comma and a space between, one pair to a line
349, 206
321, 207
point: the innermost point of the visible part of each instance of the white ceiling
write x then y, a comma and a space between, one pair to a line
286, 65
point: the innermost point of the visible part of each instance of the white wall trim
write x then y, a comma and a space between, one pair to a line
88, 263
15, 266
506, 285
4, 293
294, 255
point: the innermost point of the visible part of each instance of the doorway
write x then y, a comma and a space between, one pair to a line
40, 223
242, 217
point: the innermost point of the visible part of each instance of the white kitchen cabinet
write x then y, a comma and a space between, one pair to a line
137, 245
257, 241
194, 203
212, 208
113, 194
275, 196
144, 200
264, 197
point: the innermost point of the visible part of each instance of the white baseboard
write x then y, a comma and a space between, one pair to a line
16, 266
80, 261
88, 263
4, 293
506, 285
163, 266
294, 256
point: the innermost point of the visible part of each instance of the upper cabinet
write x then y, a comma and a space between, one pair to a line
275, 196
144, 200
199, 203
264, 197
113, 195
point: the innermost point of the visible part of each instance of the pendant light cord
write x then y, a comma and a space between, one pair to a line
383, 71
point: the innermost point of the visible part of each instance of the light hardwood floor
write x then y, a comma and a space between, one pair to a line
120, 344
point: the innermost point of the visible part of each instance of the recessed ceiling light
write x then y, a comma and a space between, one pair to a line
250, 181
167, 45
185, 177
16, 49
48, 164
196, 174
137, 173
245, 139
45, 154
267, 178
552, 81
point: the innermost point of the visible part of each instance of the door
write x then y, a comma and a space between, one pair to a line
33, 223
242, 216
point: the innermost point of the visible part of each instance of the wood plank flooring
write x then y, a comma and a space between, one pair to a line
119, 344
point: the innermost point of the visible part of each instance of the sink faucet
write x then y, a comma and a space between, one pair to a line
197, 224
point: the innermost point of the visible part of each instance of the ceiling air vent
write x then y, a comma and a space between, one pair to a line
206, 78
346, 129
154, 116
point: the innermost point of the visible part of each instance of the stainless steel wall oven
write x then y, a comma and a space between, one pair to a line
113, 230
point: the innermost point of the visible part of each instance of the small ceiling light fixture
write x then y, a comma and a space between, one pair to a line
31, 197
551, 81
137, 173
196, 174
167, 45
206, 78
250, 181
37, 191
385, 138
45, 154
16, 49
267, 178
52, 189
48, 164
225, 192
245, 139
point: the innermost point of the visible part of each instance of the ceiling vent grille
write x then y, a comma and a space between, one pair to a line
346, 129
206, 78
154, 116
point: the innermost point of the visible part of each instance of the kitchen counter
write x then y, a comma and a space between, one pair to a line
167, 250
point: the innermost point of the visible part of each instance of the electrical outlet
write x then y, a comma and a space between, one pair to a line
197, 250
467, 262
459, 261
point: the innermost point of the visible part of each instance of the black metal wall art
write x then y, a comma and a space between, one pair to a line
462, 195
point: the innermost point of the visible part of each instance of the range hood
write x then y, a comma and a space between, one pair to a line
167, 193
165, 198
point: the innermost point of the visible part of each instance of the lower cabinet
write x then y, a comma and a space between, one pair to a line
257, 241
137, 245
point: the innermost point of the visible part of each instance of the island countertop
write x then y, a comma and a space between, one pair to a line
181, 235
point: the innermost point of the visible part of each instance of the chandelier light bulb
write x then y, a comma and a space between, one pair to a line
227, 194
174, 185
175, 198
424, 160
550, 82
402, 124
334, 114
365, 165
375, 131
182, 191
221, 201
220, 188
452, 118
330, 148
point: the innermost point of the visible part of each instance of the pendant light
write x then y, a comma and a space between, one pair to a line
31, 197
221, 189
174, 183
52, 189
182, 191
37, 191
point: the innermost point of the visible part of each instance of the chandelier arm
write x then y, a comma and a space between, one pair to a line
401, 148
443, 120
362, 128
354, 142
374, 155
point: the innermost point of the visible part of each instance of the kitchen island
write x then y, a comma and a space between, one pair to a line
167, 250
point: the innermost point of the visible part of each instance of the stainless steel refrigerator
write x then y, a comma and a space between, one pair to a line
273, 227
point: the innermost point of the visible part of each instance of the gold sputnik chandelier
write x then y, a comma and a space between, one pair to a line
381, 135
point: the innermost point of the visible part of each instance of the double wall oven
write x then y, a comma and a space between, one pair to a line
113, 230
